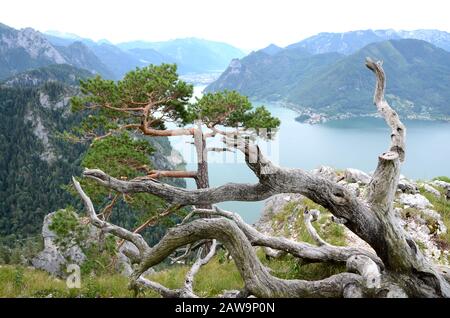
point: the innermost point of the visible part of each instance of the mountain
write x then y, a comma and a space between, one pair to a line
62, 73
333, 84
418, 77
79, 55
438, 38
26, 49
344, 43
271, 77
191, 54
350, 42
34, 161
117, 61
150, 56
271, 49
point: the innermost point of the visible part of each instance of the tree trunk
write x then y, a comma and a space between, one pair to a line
399, 269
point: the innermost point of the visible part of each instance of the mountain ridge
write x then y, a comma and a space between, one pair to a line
193, 55
349, 42
333, 84
21, 50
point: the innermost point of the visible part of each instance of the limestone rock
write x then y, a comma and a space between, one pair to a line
355, 175
52, 259
417, 201
407, 186
326, 172
442, 184
272, 207
353, 188
431, 190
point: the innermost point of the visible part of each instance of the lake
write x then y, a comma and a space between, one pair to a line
352, 143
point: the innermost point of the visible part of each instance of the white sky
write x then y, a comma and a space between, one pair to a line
248, 24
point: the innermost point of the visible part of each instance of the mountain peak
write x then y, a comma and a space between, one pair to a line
271, 49
350, 42
332, 84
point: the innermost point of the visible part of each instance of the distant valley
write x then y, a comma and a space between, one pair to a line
25, 49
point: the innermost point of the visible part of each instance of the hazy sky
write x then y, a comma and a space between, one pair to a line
248, 24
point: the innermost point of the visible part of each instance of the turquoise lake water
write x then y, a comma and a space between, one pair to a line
354, 143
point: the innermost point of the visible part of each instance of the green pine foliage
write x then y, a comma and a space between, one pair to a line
231, 109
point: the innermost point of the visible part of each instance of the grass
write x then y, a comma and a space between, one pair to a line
443, 178
288, 267
289, 222
212, 279
441, 205
18, 281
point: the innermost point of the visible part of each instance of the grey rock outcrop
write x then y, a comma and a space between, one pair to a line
326, 172
417, 201
53, 259
272, 207
442, 184
431, 190
355, 175
407, 186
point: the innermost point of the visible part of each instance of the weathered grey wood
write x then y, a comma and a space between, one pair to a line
189, 280
257, 279
306, 252
106, 227
404, 270
310, 216
367, 268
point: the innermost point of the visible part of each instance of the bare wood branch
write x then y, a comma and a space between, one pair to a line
156, 174
187, 250
106, 212
302, 250
367, 268
228, 192
257, 279
148, 131
310, 216
106, 227
157, 287
391, 117
153, 220
219, 149
189, 280
384, 182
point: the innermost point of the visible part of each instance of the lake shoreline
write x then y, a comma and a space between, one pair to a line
307, 115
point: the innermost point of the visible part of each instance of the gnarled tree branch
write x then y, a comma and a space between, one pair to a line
306, 252
373, 220
257, 279
106, 227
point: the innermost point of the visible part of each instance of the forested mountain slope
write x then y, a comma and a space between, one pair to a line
332, 84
